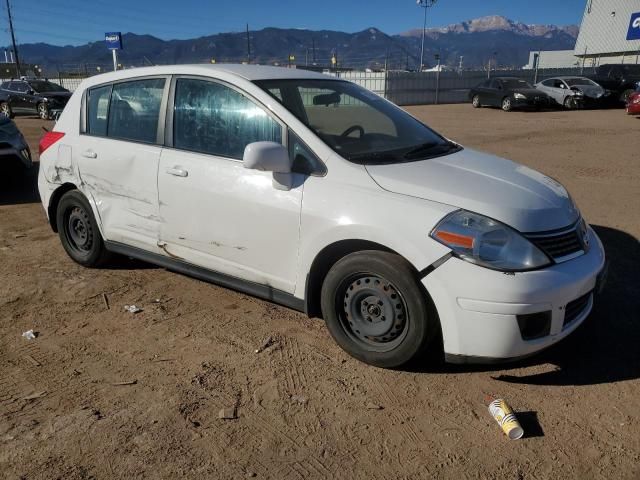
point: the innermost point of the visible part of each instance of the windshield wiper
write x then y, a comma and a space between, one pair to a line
430, 147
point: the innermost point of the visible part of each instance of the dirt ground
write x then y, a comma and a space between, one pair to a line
69, 407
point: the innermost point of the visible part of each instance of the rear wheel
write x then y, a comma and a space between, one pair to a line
475, 101
625, 95
376, 310
507, 106
5, 108
78, 230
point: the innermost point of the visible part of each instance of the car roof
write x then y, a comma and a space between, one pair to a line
247, 72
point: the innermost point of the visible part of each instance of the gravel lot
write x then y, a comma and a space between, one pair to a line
305, 410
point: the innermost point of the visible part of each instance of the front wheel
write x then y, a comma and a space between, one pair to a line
43, 111
78, 230
475, 101
376, 310
507, 106
570, 103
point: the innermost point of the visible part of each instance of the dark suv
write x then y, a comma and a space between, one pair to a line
621, 80
41, 97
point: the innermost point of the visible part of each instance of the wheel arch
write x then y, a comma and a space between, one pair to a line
327, 258
55, 200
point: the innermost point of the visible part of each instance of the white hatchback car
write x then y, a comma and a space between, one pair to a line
315, 193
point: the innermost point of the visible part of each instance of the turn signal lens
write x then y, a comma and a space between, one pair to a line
48, 139
449, 238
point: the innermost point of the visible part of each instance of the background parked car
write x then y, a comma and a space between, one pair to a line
14, 149
573, 92
633, 104
621, 80
508, 93
30, 96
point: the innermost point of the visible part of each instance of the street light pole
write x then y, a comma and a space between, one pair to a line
424, 4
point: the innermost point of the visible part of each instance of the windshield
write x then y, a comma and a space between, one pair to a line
42, 86
356, 123
516, 83
572, 82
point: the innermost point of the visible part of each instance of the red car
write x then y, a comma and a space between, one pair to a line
633, 104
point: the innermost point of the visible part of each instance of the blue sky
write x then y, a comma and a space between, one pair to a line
75, 22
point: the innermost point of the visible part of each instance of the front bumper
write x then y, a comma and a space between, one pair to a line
479, 308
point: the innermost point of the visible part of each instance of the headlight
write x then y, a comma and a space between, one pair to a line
488, 243
519, 96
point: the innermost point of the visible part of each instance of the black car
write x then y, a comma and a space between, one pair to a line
621, 80
41, 97
14, 149
508, 93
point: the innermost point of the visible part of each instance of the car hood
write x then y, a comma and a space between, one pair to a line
594, 91
529, 92
514, 194
63, 96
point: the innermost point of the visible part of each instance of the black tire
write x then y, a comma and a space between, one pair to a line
475, 101
78, 230
570, 103
624, 97
6, 109
43, 111
376, 309
507, 104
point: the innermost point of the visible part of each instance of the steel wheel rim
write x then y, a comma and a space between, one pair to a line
372, 312
79, 231
42, 110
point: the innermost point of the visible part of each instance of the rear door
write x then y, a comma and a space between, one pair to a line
118, 152
495, 93
216, 213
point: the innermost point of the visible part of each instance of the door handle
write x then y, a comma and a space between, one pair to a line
177, 172
89, 154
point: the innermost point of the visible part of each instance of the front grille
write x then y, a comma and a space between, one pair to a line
558, 245
575, 308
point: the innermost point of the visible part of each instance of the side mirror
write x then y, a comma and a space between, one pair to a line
270, 157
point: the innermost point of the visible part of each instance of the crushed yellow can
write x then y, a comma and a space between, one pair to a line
506, 419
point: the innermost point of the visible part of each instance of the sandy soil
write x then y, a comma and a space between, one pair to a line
305, 410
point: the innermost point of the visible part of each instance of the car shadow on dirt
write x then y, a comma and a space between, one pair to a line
19, 185
605, 348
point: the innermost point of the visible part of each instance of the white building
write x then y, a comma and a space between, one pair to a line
610, 32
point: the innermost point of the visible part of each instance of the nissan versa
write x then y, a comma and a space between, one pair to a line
315, 193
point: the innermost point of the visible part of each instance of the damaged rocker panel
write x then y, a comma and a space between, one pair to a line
175, 264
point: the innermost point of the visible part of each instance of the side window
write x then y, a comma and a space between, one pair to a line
19, 86
212, 118
97, 110
134, 110
496, 84
548, 83
303, 159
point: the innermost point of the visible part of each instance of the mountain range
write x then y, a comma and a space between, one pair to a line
477, 41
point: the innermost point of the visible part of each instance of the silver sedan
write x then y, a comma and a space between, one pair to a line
572, 92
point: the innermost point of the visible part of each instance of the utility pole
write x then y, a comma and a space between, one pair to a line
248, 46
460, 66
424, 4
313, 43
13, 40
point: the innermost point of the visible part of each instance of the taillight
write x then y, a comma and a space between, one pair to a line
48, 139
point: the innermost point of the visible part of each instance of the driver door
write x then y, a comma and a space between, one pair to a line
215, 213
